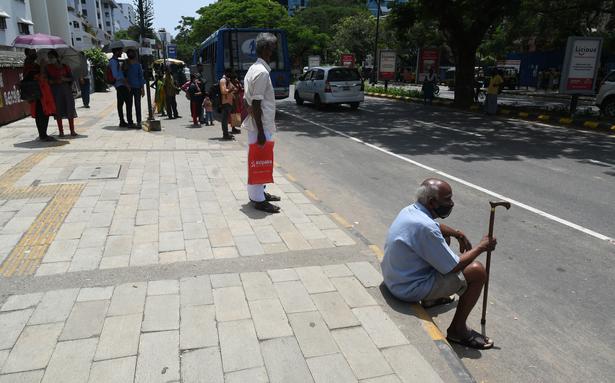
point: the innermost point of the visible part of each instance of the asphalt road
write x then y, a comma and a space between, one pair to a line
551, 311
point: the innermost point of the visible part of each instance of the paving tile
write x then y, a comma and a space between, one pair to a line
115, 370
275, 248
86, 259
383, 379
379, 326
61, 250
230, 304
361, 353
322, 243
122, 226
312, 333
225, 280
366, 273
410, 365
198, 250
146, 217
11, 325
333, 271
220, 237
283, 275
171, 241
248, 245
71, 361
52, 268
310, 231
161, 313
144, 254
257, 286
314, 279
158, 360
284, 361
334, 310
128, 298
239, 346
323, 222
225, 252
331, 369
204, 365
195, 230
117, 246
169, 286
22, 301
195, 291
252, 375
33, 348
100, 219
294, 297
269, 319
95, 293
170, 224
295, 241
267, 234
353, 293
240, 227
114, 262
198, 327
94, 237
145, 233
85, 320
339, 237
3, 355
54, 306
172, 257
119, 337
23, 377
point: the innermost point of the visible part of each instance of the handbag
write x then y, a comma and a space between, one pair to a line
236, 120
260, 164
29, 90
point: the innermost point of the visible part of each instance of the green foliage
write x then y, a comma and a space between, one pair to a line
355, 34
323, 17
99, 64
145, 17
394, 91
132, 33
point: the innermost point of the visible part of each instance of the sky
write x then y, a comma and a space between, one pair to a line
167, 13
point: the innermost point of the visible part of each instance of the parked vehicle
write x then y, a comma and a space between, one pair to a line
330, 85
606, 96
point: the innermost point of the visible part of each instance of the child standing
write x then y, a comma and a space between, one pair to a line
208, 105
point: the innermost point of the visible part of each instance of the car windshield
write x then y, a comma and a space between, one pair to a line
344, 74
611, 77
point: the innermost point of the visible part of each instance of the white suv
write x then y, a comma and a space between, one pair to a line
606, 96
330, 85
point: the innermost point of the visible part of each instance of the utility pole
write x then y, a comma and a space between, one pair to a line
151, 124
376, 58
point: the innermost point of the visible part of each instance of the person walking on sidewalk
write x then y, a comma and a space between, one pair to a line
495, 86
209, 110
419, 265
429, 85
260, 123
61, 80
122, 92
196, 99
227, 91
136, 81
237, 111
44, 106
170, 92
84, 81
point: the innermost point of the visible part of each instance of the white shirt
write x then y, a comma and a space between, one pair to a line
257, 86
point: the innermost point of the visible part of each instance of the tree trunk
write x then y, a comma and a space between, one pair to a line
465, 56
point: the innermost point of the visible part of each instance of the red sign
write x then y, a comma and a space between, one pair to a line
386, 69
12, 108
429, 58
347, 60
580, 83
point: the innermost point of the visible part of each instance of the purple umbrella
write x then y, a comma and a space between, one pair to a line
39, 41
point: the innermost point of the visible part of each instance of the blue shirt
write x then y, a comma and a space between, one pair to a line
134, 74
118, 74
414, 252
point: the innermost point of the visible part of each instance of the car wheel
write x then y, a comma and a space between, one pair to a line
298, 99
317, 101
608, 107
354, 105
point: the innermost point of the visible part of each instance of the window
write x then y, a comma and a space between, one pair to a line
2, 23
76, 24
320, 75
108, 24
24, 29
78, 39
106, 5
611, 77
85, 12
344, 74
83, 2
106, 14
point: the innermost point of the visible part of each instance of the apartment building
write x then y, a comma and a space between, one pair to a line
15, 20
125, 16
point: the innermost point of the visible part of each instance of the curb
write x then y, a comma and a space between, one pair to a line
586, 124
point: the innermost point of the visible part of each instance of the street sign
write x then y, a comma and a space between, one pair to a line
386, 69
581, 65
172, 51
347, 60
313, 61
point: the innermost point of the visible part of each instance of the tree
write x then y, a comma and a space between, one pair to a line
145, 17
355, 34
132, 33
99, 63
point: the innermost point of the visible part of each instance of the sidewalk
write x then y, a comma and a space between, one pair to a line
129, 256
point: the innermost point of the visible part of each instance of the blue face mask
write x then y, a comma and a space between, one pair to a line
443, 211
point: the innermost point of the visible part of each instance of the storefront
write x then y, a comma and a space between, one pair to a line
12, 108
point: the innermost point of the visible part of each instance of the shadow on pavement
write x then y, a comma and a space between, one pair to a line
37, 144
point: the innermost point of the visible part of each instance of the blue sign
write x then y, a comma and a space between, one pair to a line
172, 51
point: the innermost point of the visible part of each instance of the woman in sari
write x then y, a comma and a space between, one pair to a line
43, 107
61, 80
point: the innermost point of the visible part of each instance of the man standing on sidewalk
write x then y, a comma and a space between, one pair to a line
121, 89
495, 84
227, 93
260, 99
136, 80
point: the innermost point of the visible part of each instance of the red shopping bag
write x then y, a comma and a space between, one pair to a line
260, 164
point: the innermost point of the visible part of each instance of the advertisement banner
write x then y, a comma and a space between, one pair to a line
347, 60
12, 108
313, 61
581, 65
428, 58
172, 51
386, 69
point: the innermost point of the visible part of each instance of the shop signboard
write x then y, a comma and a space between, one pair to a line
581, 65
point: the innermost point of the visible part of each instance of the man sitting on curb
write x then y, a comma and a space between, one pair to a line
419, 265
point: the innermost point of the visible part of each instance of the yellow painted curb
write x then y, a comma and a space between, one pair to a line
398, 97
376, 250
524, 114
408, 98
311, 194
613, 127
505, 111
590, 124
341, 220
427, 322
474, 107
544, 117
565, 120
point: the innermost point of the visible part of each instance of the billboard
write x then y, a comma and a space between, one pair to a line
429, 58
581, 65
386, 69
11, 106
347, 60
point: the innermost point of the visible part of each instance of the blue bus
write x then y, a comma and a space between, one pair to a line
236, 48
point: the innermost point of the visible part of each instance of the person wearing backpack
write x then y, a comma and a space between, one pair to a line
115, 76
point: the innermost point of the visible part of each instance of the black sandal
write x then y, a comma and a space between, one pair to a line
266, 207
474, 340
271, 197
437, 302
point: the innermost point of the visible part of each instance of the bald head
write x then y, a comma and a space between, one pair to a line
433, 189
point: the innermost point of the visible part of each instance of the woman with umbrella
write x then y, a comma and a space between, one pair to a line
44, 106
61, 80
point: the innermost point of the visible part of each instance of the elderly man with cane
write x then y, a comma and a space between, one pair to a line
419, 265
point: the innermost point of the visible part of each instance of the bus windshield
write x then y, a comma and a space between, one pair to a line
240, 51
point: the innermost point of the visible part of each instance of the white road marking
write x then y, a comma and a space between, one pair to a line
431, 124
529, 208
601, 163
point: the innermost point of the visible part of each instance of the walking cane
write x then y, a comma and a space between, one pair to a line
491, 219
